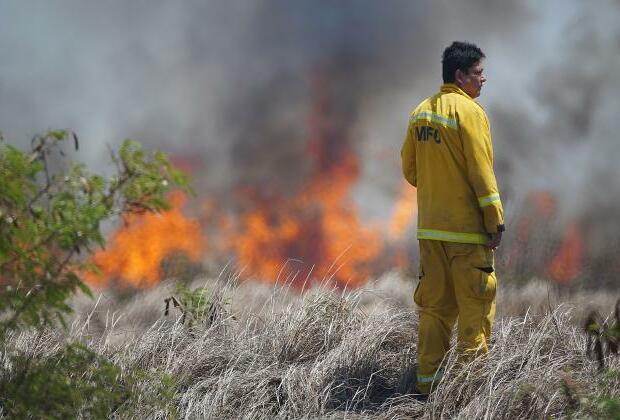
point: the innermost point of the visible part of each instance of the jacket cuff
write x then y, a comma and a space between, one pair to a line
493, 217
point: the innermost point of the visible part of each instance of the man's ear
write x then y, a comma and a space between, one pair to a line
458, 77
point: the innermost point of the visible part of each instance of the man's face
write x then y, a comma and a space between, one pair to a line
472, 81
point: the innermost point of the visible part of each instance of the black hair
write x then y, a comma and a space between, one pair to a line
459, 56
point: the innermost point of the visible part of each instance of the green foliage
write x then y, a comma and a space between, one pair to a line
604, 403
609, 408
71, 381
75, 381
49, 217
51, 212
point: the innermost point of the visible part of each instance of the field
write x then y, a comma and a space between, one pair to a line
264, 351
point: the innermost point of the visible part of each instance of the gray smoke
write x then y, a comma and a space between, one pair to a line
565, 139
228, 85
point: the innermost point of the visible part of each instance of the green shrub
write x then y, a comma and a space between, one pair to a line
75, 380
51, 213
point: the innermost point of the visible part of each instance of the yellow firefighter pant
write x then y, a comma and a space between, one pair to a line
456, 280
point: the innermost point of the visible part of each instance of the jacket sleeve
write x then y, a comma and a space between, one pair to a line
407, 154
478, 149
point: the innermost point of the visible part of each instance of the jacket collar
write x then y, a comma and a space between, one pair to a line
452, 88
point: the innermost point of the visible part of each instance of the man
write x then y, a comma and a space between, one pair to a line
448, 156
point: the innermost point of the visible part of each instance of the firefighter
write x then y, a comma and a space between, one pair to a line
448, 156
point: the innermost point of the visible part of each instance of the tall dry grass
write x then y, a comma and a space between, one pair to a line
332, 354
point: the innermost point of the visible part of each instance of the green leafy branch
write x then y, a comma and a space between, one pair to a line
51, 215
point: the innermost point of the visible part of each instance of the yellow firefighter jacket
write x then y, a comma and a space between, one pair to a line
448, 156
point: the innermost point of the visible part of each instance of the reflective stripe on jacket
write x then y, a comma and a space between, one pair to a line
448, 156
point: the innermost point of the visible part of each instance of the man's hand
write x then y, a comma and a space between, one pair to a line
494, 240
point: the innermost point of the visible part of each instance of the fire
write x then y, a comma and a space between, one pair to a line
324, 240
529, 254
567, 262
404, 211
135, 252
316, 234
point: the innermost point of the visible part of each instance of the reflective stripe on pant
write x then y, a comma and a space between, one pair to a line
456, 280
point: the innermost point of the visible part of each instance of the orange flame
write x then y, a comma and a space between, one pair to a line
135, 252
404, 211
316, 234
567, 262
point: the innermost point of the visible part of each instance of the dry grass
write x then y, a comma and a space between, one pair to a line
330, 354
